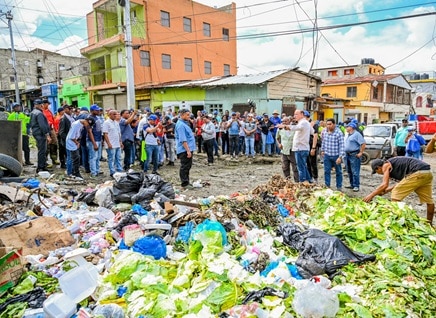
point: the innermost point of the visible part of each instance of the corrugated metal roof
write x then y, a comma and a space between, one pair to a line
395, 79
246, 79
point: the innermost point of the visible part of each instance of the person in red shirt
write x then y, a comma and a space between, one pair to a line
53, 144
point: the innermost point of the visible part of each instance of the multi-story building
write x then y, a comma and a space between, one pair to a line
172, 40
423, 94
372, 94
34, 69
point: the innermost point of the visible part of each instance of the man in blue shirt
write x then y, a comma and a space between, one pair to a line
354, 147
276, 120
185, 146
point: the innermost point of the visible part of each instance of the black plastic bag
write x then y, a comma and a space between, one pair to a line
167, 190
131, 182
161, 199
121, 196
143, 194
257, 295
320, 253
34, 299
127, 219
87, 197
153, 181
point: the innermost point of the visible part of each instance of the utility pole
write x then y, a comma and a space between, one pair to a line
14, 62
130, 80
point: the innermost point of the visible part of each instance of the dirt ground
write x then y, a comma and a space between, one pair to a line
229, 176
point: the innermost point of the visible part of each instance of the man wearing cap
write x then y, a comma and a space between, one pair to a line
414, 144
152, 143
250, 131
412, 175
17, 115
112, 138
285, 137
53, 144
400, 137
354, 147
208, 136
84, 155
266, 127
73, 144
94, 137
41, 132
276, 120
185, 147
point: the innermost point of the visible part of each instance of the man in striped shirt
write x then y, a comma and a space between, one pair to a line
332, 151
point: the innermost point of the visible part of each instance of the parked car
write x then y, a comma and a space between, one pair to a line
380, 141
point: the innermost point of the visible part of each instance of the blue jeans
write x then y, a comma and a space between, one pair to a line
69, 163
265, 145
353, 169
93, 157
153, 156
329, 163
303, 172
161, 156
114, 160
249, 146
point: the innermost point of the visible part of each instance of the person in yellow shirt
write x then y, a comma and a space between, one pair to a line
18, 115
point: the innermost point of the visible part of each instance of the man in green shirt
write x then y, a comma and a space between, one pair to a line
284, 140
18, 115
400, 138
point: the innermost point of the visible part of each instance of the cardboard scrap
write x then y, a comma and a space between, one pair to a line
38, 236
14, 194
11, 267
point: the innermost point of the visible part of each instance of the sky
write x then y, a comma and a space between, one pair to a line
272, 34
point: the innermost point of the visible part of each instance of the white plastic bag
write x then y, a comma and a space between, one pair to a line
315, 301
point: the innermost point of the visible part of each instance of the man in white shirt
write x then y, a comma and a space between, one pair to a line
112, 139
300, 143
73, 143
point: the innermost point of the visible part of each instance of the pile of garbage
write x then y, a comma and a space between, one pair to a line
134, 247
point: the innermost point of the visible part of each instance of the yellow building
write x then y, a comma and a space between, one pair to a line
372, 98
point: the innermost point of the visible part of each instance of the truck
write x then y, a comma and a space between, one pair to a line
425, 126
380, 141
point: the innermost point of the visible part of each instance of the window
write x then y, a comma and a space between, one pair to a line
216, 107
187, 25
12, 79
226, 69
225, 34
188, 64
349, 71
332, 73
144, 57
352, 91
206, 29
165, 19
166, 61
375, 93
207, 67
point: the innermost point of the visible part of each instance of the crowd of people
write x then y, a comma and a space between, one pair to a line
76, 137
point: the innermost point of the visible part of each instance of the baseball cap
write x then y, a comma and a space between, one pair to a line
215, 112
411, 129
275, 112
45, 101
375, 164
84, 108
233, 114
152, 117
210, 115
61, 109
15, 105
37, 102
404, 120
306, 113
352, 125
95, 107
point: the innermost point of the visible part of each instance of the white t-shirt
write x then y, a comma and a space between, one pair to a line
112, 129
